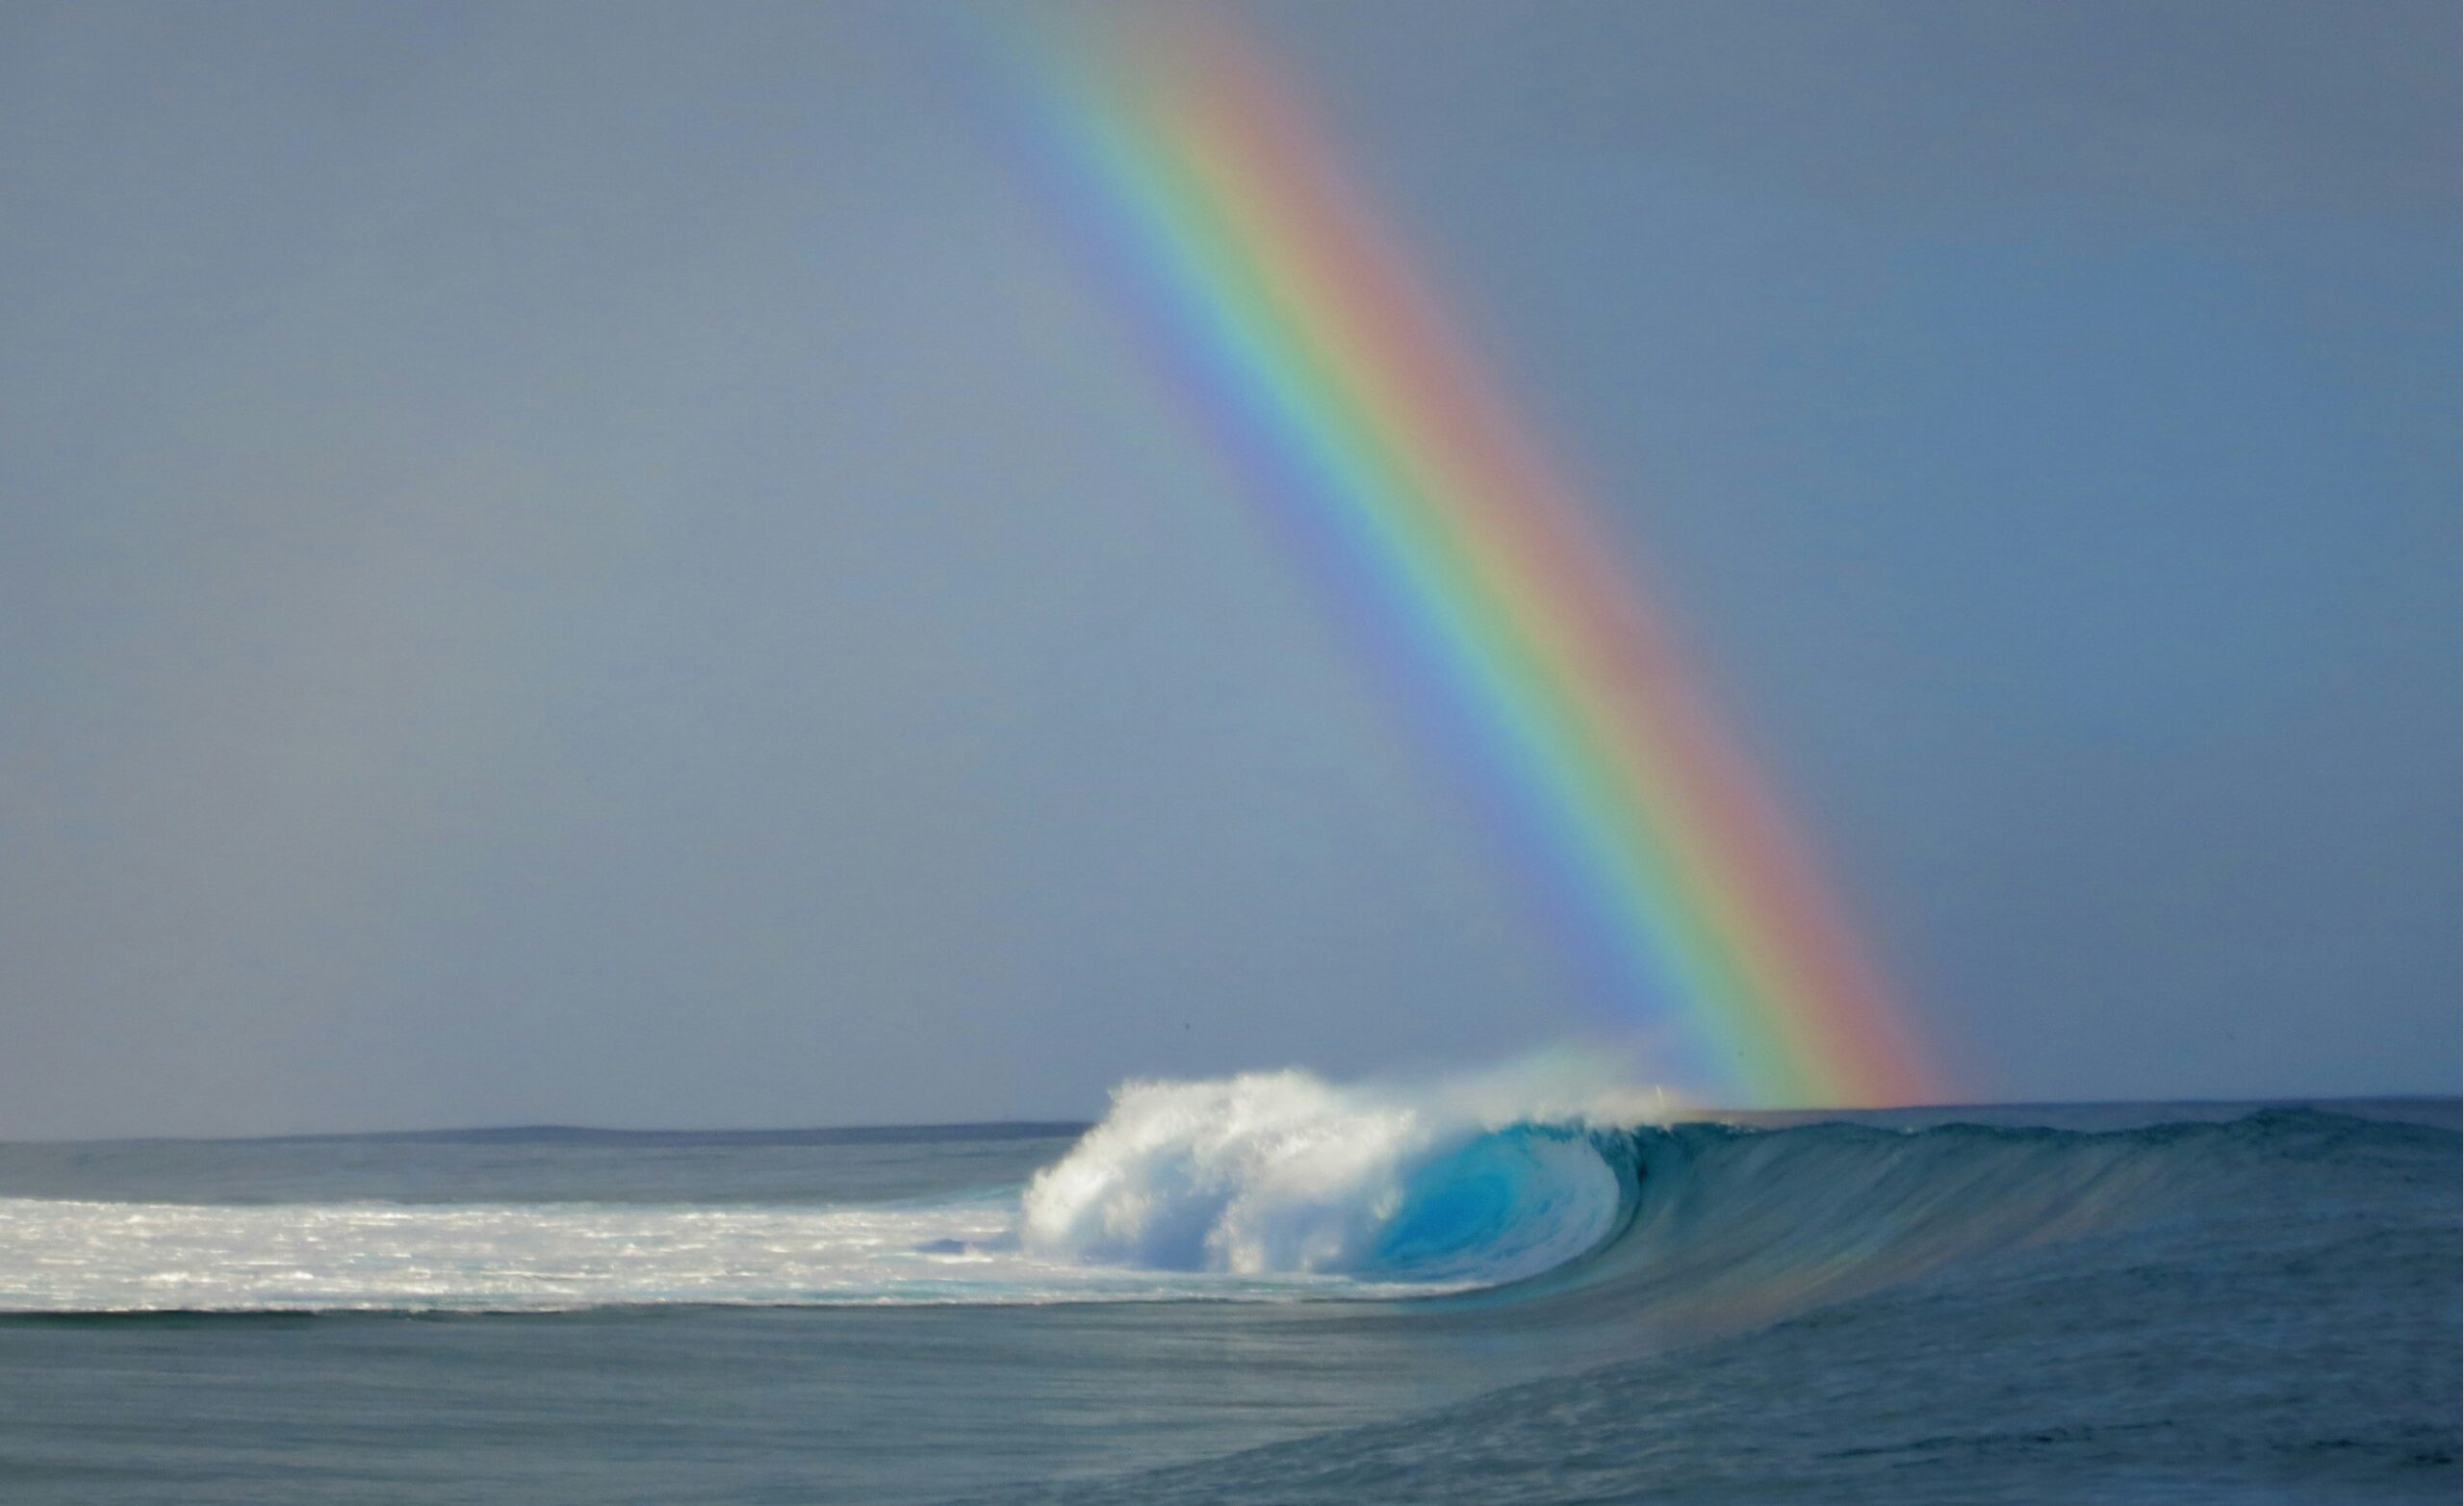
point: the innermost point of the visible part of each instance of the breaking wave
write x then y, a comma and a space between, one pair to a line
1271, 1186
1283, 1173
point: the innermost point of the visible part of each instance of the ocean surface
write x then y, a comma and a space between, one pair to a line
1264, 1289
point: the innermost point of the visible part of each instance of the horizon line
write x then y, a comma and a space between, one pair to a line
1035, 1128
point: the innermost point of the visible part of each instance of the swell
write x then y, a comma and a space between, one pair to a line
1734, 1226
2259, 1308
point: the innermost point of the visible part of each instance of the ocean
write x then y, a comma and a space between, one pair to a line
1264, 1289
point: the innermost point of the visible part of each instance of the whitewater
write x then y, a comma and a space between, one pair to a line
1524, 1286
1259, 1188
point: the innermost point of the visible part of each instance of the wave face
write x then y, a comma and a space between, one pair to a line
2255, 1308
1283, 1173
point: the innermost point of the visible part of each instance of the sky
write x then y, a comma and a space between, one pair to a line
610, 565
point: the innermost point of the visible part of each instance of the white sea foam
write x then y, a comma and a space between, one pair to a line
69, 1256
1264, 1186
1472, 1180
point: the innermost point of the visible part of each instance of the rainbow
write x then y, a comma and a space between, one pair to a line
1407, 485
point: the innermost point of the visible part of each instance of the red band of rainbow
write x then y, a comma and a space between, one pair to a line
1262, 282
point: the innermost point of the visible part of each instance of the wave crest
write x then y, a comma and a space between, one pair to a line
1276, 1173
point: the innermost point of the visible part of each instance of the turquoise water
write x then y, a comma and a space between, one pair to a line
1270, 1293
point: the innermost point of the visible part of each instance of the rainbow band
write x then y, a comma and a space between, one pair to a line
1259, 281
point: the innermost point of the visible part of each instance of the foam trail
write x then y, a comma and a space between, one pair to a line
67, 1256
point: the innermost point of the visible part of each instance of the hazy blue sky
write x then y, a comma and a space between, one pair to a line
604, 564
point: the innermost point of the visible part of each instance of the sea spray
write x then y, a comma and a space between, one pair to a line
1481, 1178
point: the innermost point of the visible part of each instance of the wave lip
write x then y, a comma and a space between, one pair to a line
1280, 1173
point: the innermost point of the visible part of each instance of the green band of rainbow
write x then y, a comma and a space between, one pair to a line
1264, 286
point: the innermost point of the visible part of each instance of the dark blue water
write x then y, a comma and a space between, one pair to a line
2142, 1303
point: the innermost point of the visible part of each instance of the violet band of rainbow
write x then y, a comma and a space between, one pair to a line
1388, 456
